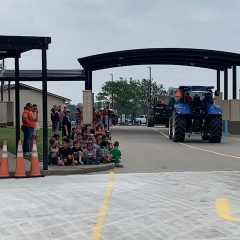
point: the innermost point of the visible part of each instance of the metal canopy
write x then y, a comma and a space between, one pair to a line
52, 75
202, 58
13, 46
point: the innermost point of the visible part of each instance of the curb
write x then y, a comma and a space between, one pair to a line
69, 170
60, 170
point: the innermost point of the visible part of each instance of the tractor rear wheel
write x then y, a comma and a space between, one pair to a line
215, 134
170, 128
179, 128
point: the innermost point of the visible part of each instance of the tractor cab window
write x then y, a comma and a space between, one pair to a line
198, 97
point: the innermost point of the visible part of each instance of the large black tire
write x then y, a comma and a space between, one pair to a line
170, 128
215, 133
150, 121
179, 128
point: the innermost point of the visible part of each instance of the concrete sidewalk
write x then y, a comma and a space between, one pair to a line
60, 170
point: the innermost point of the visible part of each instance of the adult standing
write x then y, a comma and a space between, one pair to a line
66, 124
28, 124
59, 110
36, 126
94, 115
55, 118
104, 114
78, 116
81, 118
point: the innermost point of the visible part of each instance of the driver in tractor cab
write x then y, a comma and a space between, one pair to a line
207, 98
188, 99
196, 100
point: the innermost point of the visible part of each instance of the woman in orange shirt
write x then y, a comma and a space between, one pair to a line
28, 124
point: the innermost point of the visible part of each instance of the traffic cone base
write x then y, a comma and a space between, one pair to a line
20, 163
4, 166
35, 168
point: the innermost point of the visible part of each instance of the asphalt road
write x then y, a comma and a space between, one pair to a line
148, 150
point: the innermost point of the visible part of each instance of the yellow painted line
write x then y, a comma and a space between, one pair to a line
209, 151
235, 139
98, 228
223, 210
165, 135
202, 149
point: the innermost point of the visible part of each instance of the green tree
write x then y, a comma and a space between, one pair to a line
129, 97
121, 94
144, 93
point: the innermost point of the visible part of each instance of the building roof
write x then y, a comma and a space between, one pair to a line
36, 75
13, 46
24, 86
203, 58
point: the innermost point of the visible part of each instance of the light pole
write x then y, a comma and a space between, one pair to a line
2, 67
112, 90
108, 114
150, 84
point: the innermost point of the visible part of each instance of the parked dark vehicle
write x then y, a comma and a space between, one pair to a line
160, 111
114, 116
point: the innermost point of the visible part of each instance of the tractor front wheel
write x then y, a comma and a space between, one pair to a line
215, 134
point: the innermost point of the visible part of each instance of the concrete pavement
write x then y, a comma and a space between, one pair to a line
172, 206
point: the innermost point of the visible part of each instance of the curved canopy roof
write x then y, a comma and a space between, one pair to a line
202, 58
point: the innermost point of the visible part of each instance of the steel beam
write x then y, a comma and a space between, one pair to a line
9, 92
226, 84
218, 81
17, 101
234, 82
88, 79
2, 83
45, 109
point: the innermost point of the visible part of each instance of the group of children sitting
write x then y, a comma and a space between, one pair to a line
87, 145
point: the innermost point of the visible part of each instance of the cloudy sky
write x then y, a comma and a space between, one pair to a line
80, 28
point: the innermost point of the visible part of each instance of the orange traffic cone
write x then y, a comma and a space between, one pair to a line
20, 162
4, 167
35, 168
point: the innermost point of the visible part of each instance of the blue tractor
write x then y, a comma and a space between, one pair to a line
195, 113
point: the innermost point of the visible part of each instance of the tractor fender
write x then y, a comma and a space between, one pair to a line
214, 109
182, 109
